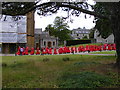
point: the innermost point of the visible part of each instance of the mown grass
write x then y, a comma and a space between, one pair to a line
59, 71
86, 44
104, 52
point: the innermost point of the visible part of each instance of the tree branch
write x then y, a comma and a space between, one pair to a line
83, 10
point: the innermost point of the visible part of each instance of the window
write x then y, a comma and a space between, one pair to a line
76, 31
53, 43
44, 43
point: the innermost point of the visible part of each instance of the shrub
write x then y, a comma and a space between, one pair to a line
75, 42
4, 65
66, 59
84, 80
46, 59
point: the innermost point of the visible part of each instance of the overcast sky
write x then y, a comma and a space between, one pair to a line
43, 21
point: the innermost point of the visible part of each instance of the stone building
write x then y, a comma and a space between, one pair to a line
43, 39
99, 39
80, 33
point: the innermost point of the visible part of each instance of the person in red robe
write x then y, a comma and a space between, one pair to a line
72, 50
114, 47
26, 51
86, 48
91, 48
44, 51
23, 53
32, 51
18, 51
105, 47
55, 51
50, 51
109, 47
38, 51
68, 50
79, 49
60, 50
64, 49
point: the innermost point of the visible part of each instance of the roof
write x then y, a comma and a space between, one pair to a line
46, 36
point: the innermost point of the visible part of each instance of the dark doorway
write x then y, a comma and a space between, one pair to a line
49, 44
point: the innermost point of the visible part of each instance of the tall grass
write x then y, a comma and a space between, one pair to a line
34, 72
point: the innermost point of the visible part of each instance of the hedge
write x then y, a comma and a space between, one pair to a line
75, 42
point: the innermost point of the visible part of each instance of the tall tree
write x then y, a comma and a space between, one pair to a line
59, 29
110, 24
104, 12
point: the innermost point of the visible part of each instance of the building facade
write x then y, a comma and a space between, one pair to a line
12, 34
16, 33
43, 39
80, 33
99, 39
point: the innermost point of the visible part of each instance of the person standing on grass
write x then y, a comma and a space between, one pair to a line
32, 51
21, 51
38, 51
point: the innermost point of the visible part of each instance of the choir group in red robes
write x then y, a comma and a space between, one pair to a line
64, 50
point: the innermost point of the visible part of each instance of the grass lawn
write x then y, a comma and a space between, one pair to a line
104, 52
86, 44
59, 71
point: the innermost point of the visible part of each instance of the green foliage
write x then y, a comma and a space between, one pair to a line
46, 59
85, 37
84, 80
59, 29
104, 27
85, 63
91, 35
86, 44
110, 10
104, 52
4, 65
66, 59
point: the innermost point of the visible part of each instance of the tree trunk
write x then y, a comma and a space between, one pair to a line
116, 32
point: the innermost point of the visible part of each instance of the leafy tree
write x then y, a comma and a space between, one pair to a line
106, 14
111, 24
91, 35
85, 37
59, 29
51, 30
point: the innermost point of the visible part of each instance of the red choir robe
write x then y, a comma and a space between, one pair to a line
114, 47
80, 48
60, 50
105, 47
44, 51
50, 51
55, 51
32, 51
23, 53
38, 51
109, 47
68, 50
18, 51
26, 51
86, 48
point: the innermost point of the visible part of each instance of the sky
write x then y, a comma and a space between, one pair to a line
43, 21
